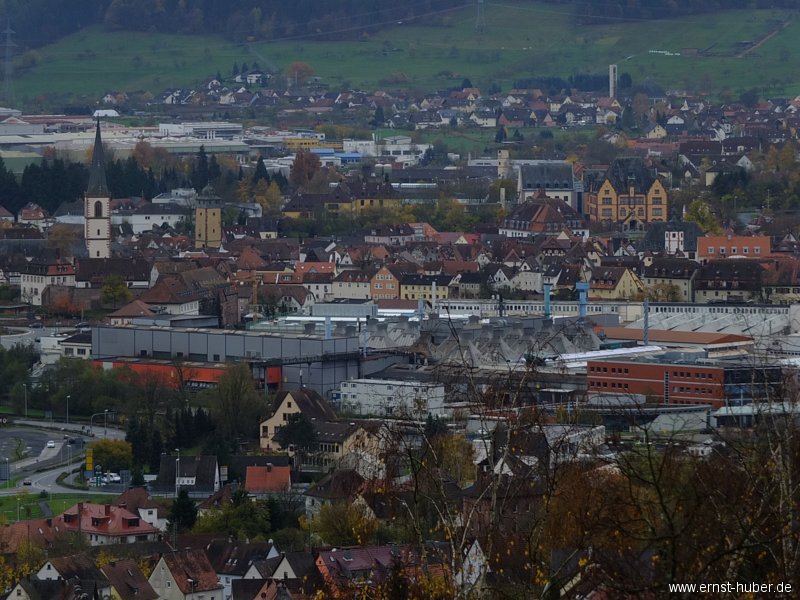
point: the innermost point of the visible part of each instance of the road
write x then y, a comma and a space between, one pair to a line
34, 435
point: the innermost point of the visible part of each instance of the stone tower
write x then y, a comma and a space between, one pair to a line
97, 205
208, 220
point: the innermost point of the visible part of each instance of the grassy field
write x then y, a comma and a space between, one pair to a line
522, 39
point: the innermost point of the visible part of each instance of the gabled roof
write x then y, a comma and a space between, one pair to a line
309, 402
103, 519
203, 469
233, 557
127, 579
268, 479
192, 571
78, 566
95, 270
137, 308
339, 484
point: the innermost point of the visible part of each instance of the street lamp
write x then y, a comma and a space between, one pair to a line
25, 387
8, 473
68, 397
177, 471
105, 423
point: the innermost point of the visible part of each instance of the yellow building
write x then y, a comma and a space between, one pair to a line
421, 287
208, 220
630, 194
614, 283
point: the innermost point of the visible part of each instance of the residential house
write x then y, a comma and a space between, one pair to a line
286, 403
6, 216
80, 567
542, 215
127, 582
670, 279
614, 283
92, 272
320, 285
714, 247
353, 284
33, 214
385, 284
36, 275
186, 575
232, 559
728, 281
103, 524
199, 475
138, 501
266, 480
425, 287
469, 285
338, 486
629, 194
171, 296
129, 312
390, 235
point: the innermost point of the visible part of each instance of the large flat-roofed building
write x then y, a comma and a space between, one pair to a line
678, 378
305, 359
391, 398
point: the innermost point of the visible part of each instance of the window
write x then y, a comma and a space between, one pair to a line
745, 250
216, 357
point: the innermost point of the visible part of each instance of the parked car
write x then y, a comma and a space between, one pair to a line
27, 482
51, 444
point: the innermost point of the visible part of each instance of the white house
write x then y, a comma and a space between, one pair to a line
36, 276
388, 397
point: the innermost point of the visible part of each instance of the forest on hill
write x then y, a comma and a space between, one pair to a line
40, 22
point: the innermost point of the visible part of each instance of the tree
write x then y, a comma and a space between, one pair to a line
261, 171
298, 432
298, 72
115, 291
342, 524
236, 405
700, 212
378, 118
242, 517
200, 172
306, 164
625, 81
183, 514
112, 455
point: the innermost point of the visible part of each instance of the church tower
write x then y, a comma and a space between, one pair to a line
97, 205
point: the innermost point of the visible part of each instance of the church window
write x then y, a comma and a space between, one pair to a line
98, 209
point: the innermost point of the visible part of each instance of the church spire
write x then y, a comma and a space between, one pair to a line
97, 174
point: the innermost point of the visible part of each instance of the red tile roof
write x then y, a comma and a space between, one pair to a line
192, 571
265, 480
103, 519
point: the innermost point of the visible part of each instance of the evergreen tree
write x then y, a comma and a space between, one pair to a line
235, 70
183, 514
214, 170
261, 171
156, 448
200, 172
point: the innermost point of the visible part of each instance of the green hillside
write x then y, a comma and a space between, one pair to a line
522, 40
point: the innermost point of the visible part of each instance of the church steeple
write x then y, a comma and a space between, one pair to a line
98, 188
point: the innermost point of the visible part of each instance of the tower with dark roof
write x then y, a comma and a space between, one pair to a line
97, 205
